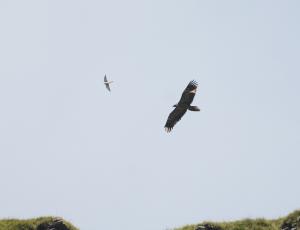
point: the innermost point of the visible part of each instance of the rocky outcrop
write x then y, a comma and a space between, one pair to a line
292, 223
56, 224
208, 227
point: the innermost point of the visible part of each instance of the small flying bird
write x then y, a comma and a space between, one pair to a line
182, 106
106, 83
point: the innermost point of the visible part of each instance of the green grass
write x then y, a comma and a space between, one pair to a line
253, 224
30, 224
292, 220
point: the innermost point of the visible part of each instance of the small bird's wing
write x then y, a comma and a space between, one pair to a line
188, 94
107, 86
174, 117
106, 83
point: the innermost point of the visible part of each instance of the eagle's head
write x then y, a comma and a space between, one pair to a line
175, 105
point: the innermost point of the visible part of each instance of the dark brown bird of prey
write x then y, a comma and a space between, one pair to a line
106, 83
182, 106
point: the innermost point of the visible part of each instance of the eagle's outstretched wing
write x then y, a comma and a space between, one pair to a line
183, 105
174, 117
188, 94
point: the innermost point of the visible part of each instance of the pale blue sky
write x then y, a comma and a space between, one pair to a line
102, 160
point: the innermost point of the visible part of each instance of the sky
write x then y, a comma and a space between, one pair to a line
102, 160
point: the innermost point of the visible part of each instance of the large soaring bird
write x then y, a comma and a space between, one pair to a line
182, 106
106, 83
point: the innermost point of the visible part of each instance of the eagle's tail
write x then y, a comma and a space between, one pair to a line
193, 108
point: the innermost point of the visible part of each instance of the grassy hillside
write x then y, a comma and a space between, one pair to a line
30, 224
290, 222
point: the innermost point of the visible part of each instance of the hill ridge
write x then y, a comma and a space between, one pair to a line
290, 222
